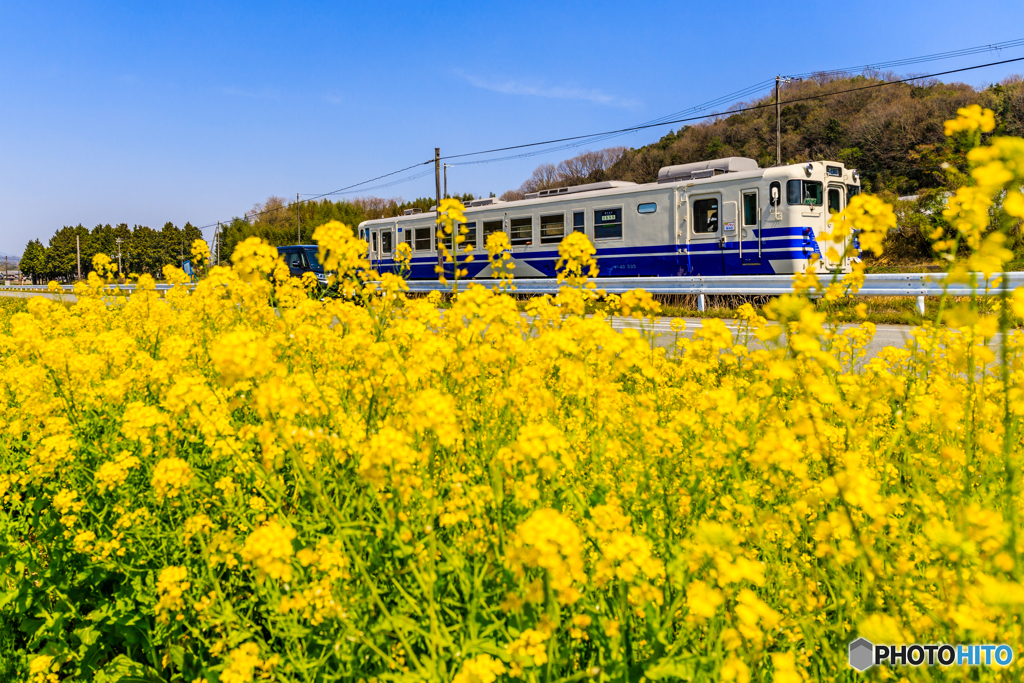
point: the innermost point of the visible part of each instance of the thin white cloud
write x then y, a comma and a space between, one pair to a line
261, 94
514, 87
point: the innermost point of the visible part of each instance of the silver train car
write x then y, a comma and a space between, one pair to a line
720, 217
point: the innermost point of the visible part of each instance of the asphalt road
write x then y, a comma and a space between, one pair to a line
885, 335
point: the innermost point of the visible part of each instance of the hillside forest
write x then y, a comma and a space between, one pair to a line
893, 135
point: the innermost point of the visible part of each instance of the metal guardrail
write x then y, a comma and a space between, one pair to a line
919, 285
68, 288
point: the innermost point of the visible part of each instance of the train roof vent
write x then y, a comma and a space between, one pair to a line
486, 201
589, 187
705, 169
410, 212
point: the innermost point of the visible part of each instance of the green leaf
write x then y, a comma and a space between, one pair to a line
674, 668
121, 669
87, 634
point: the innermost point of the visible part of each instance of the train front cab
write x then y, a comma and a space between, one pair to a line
797, 216
380, 243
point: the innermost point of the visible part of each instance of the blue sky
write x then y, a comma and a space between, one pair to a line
149, 112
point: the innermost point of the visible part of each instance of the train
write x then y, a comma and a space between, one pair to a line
710, 218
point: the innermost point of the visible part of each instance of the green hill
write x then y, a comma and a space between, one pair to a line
892, 134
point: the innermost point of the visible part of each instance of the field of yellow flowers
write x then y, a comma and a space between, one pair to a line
242, 482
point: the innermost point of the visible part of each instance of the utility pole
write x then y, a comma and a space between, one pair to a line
216, 243
446, 181
298, 217
78, 253
778, 124
778, 120
437, 220
119, 270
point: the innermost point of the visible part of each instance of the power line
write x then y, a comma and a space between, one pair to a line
670, 119
731, 97
345, 189
918, 60
758, 87
732, 111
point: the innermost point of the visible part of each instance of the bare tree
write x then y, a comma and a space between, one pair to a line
378, 207
273, 211
544, 176
585, 167
512, 196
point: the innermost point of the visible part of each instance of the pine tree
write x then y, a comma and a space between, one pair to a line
33, 261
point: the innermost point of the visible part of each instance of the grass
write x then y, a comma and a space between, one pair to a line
881, 310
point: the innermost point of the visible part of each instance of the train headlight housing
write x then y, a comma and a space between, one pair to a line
809, 168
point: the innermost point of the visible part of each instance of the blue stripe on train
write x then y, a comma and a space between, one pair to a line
698, 259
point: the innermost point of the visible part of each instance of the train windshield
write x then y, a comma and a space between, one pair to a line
314, 262
808, 192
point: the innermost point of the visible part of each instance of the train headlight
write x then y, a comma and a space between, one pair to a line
856, 174
809, 168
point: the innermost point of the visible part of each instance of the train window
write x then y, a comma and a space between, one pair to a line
552, 228
579, 221
647, 208
422, 239
851, 192
438, 234
408, 236
833, 200
469, 238
608, 224
521, 231
491, 227
749, 208
807, 192
385, 242
705, 216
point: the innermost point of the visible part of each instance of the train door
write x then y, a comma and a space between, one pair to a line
387, 244
835, 202
750, 228
707, 240
374, 248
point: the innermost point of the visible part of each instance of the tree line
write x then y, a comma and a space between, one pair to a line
280, 222
141, 250
145, 250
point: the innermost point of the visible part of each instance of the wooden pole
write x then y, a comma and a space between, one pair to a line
778, 124
78, 253
298, 218
437, 191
